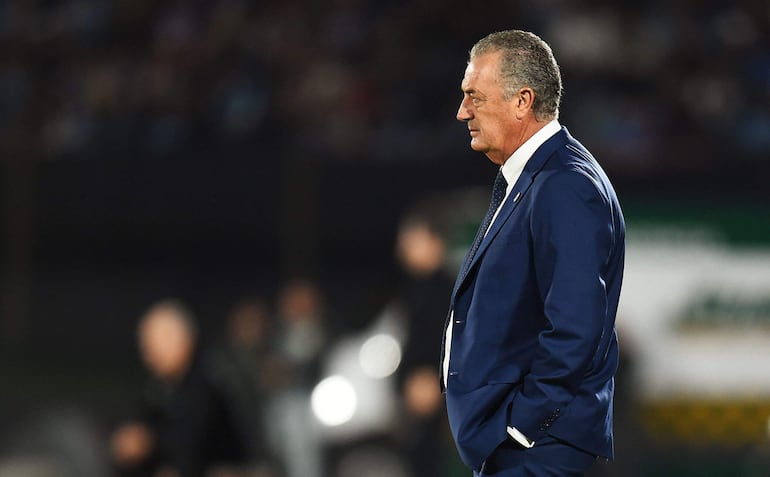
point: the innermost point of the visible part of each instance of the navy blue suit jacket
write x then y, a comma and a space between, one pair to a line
533, 337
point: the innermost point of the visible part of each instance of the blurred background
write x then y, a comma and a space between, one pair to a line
278, 193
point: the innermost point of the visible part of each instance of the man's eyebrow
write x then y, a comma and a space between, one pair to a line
473, 92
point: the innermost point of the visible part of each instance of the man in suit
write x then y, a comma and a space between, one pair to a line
530, 348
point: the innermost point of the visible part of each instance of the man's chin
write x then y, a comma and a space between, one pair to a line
478, 147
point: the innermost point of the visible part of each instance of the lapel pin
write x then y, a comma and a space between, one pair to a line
516, 198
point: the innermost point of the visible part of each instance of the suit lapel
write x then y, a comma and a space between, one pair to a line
520, 188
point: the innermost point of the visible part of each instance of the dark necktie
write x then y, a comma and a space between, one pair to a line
498, 194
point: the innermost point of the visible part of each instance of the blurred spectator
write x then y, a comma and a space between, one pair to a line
248, 340
303, 336
421, 251
188, 426
244, 365
303, 331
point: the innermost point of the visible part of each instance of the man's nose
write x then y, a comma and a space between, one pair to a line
464, 112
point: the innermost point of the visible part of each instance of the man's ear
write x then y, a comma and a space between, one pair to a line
523, 100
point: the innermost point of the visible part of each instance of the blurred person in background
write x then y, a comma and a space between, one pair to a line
421, 251
245, 364
530, 345
302, 338
188, 425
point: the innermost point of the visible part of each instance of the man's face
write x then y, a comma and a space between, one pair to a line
420, 251
491, 120
165, 344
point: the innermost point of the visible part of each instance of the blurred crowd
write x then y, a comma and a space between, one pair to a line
652, 82
205, 411
242, 407
238, 399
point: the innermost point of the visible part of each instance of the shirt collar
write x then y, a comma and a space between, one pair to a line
515, 164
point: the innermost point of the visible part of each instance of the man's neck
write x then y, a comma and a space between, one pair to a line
531, 127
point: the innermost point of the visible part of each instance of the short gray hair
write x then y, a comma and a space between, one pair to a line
526, 60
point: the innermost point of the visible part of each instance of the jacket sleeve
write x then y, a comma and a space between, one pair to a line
571, 229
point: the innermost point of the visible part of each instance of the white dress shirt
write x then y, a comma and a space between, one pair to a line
511, 169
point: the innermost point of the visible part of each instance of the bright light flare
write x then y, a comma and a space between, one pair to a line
334, 401
380, 356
